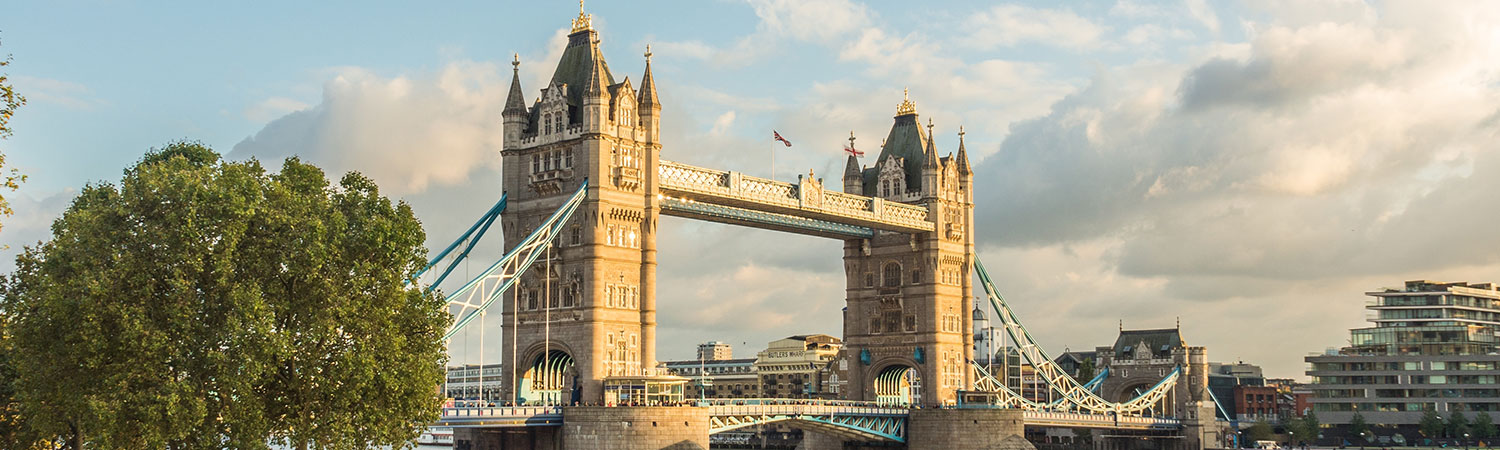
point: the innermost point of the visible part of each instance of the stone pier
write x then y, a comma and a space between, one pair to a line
636, 428
967, 429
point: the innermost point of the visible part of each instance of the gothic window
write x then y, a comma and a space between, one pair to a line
874, 324
869, 279
536, 163
569, 294
892, 274
892, 320
609, 296
568, 159
559, 119
630, 239
531, 299
609, 238
916, 276
911, 322
576, 234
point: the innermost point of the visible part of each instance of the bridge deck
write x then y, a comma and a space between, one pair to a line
862, 420
686, 184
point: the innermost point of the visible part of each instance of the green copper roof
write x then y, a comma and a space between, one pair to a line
1159, 342
906, 140
576, 65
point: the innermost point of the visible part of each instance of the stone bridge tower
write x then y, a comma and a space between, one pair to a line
592, 314
907, 327
1141, 358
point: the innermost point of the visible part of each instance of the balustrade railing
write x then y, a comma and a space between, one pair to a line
736, 186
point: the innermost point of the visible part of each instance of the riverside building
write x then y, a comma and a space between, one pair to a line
1433, 345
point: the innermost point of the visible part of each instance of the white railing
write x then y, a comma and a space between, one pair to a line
678, 178
501, 411
804, 410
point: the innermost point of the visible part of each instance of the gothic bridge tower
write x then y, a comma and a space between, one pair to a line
588, 310
907, 329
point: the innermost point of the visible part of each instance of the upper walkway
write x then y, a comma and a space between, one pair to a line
805, 207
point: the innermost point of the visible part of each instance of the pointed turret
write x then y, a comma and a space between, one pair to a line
931, 167
853, 179
648, 86
930, 159
649, 108
514, 115
963, 155
515, 103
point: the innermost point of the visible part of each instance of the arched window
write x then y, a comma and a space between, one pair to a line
893, 274
546, 124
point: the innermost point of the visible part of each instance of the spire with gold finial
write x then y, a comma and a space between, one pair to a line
584, 21
906, 106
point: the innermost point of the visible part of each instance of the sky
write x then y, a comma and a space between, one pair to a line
1248, 168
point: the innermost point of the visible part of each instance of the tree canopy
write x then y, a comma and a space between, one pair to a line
10, 101
211, 304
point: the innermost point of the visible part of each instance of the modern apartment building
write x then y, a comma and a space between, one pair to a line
1433, 345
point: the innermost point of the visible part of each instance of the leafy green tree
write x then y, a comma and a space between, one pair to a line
209, 304
10, 101
1086, 370
1457, 424
1260, 431
1431, 424
1484, 426
1357, 425
1310, 421
1298, 429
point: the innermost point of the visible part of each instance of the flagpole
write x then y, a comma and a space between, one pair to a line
773, 160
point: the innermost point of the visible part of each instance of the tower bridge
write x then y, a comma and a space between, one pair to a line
585, 186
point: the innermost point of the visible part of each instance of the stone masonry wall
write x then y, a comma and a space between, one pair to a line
635, 428
966, 429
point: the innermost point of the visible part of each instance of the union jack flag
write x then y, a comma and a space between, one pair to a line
782, 139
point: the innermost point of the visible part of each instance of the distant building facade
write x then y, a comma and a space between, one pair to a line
799, 367
718, 378
475, 382
1432, 346
715, 350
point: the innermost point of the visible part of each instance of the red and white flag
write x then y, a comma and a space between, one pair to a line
782, 139
850, 150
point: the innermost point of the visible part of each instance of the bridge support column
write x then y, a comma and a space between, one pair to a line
967, 429
634, 428
520, 438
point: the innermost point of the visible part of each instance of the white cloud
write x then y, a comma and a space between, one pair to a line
272, 108
405, 133
1261, 190
64, 93
1009, 25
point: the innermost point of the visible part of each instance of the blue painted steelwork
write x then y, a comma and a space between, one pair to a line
792, 223
870, 422
481, 226
1098, 380
504, 273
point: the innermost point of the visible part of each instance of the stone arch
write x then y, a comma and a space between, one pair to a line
897, 383
548, 376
